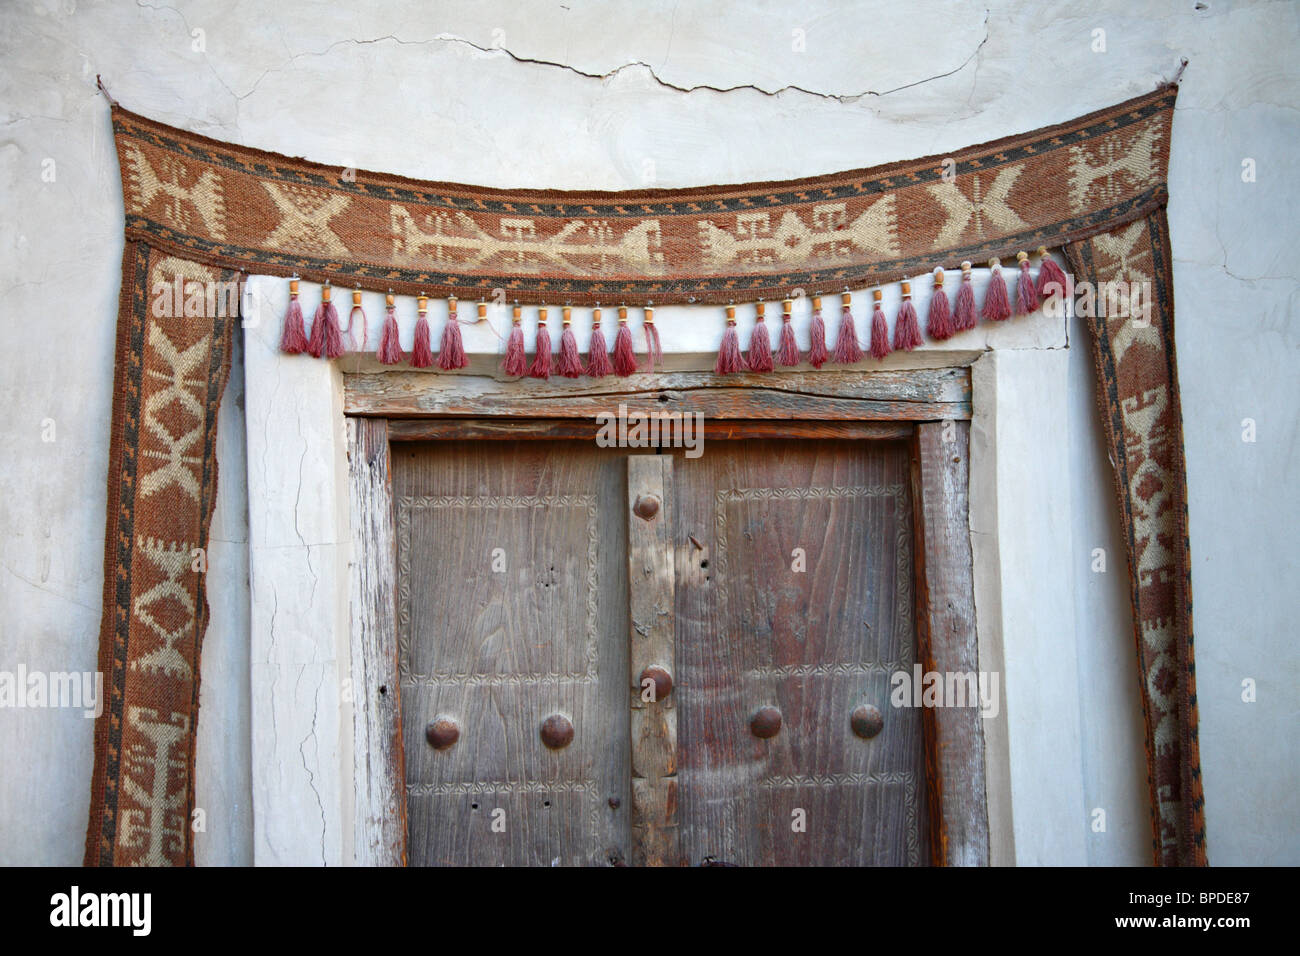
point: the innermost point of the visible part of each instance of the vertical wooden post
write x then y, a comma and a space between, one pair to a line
946, 636
379, 775
651, 636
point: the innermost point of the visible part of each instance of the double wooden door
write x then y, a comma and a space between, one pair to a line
612, 657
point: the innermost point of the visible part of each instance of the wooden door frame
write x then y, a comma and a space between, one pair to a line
1014, 381
915, 405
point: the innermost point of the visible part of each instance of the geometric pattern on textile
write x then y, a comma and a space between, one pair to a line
200, 210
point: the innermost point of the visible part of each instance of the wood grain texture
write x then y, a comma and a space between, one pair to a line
651, 641
512, 607
379, 824
550, 429
946, 627
885, 395
753, 631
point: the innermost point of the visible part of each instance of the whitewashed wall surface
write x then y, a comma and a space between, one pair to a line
622, 95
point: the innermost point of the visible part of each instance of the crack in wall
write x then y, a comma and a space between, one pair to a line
845, 98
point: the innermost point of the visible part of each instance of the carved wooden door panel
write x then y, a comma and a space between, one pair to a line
767, 587
512, 641
794, 606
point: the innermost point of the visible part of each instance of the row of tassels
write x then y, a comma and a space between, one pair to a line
329, 340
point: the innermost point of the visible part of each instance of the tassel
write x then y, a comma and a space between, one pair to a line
349, 337
390, 346
817, 354
597, 355
879, 329
729, 359
541, 367
1026, 295
624, 351
326, 339
1051, 277
515, 362
788, 352
451, 350
422, 350
996, 304
653, 349
963, 317
760, 344
939, 322
847, 350
570, 362
907, 331
293, 339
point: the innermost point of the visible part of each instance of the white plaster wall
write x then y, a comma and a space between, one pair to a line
631, 94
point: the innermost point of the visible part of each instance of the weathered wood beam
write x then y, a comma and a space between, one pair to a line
651, 660
947, 643
490, 429
885, 395
379, 772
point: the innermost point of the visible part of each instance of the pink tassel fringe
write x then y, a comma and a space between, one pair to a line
879, 330
390, 346
817, 354
996, 304
451, 350
294, 338
847, 349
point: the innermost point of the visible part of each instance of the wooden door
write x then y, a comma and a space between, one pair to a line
767, 574
512, 612
795, 604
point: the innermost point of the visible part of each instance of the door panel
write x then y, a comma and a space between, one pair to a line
512, 589
753, 631
590, 589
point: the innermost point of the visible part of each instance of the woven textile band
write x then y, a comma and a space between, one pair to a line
200, 210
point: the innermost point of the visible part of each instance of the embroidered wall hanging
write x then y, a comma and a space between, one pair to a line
200, 210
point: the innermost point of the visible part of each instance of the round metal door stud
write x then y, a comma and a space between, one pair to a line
866, 721
765, 723
442, 733
646, 507
557, 732
660, 680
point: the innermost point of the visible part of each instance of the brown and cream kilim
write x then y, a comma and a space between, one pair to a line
206, 211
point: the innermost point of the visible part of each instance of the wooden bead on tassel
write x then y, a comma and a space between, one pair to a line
939, 320
1051, 277
817, 353
569, 363
997, 306
729, 359
515, 362
326, 339
847, 350
879, 327
654, 351
1026, 295
963, 316
350, 337
598, 364
907, 331
390, 346
787, 352
451, 350
293, 339
624, 351
422, 349
541, 367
